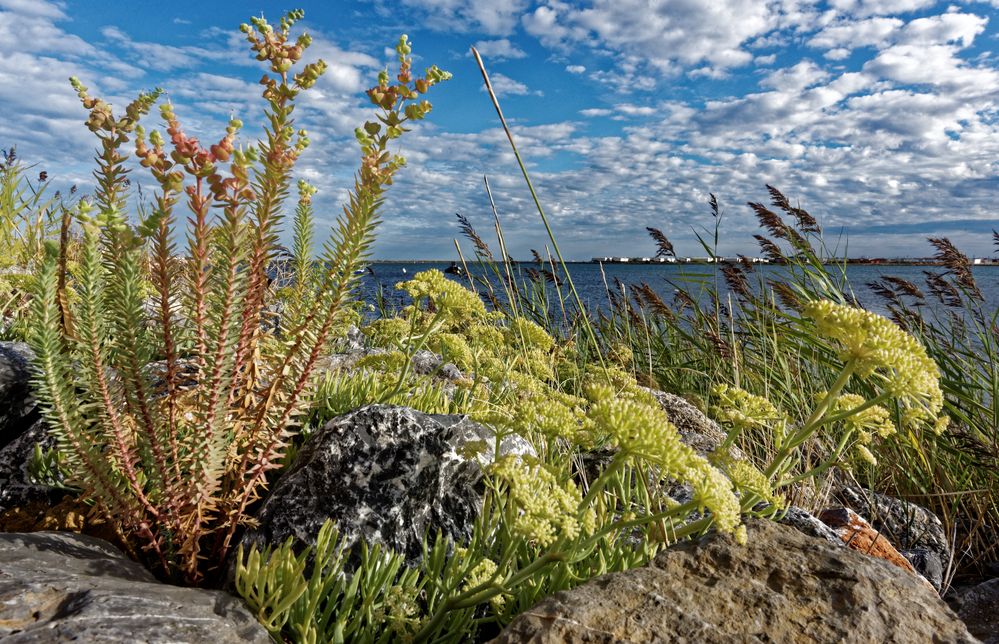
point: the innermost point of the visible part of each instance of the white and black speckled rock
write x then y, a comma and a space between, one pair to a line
386, 475
17, 489
64, 587
17, 405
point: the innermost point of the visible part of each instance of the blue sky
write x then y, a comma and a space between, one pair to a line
881, 117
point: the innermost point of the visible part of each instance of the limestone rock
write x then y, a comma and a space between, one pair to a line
783, 586
424, 363
916, 532
61, 587
384, 474
978, 608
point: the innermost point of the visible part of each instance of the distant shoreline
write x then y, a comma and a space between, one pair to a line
705, 261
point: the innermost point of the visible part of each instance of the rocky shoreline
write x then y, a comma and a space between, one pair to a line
869, 569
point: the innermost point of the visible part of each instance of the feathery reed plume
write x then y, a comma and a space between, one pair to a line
786, 295
466, 228
770, 220
806, 222
664, 248
995, 238
653, 302
537, 258
723, 348
905, 287
943, 290
746, 263
737, 281
957, 264
551, 277
770, 250
885, 292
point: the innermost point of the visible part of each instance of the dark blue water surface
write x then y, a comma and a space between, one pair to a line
665, 278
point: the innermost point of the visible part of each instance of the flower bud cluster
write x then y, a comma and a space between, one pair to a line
641, 428
377, 165
547, 509
740, 409
273, 46
483, 572
458, 304
102, 119
875, 345
188, 156
305, 191
867, 423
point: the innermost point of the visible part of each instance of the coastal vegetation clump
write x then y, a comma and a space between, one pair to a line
179, 382
171, 403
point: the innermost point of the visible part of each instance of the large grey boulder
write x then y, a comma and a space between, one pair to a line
62, 587
917, 533
386, 475
978, 608
783, 586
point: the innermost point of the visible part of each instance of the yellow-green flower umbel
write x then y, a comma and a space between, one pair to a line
874, 347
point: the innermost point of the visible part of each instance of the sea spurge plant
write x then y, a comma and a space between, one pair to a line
175, 452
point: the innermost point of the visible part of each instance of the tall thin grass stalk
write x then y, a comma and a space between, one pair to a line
537, 203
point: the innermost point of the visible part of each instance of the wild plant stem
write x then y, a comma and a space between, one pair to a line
540, 208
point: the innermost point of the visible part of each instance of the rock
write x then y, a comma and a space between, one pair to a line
917, 532
60, 587
353, 340
859, 535
978, 608
424, 363
17, 488
783, 586
384, 474
807, 523
696, 429
345, 361
17, 405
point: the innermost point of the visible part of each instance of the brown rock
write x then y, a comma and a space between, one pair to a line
859, 535
783, 586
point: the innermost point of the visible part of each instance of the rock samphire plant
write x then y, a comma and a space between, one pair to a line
544, 526
170, 400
